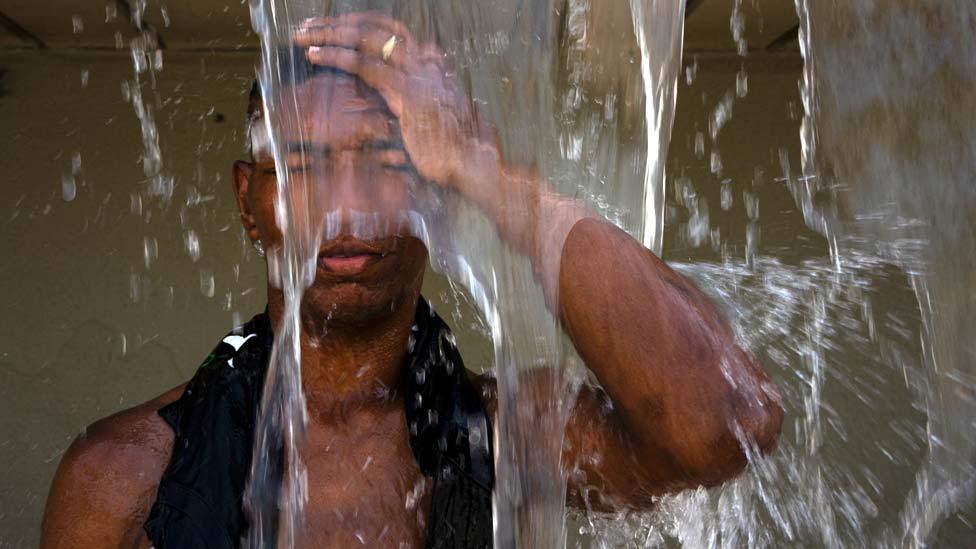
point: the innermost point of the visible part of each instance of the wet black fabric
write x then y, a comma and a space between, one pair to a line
199, 504
450, 435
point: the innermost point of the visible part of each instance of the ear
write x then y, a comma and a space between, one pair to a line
243, 174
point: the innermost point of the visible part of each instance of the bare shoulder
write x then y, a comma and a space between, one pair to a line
107, 479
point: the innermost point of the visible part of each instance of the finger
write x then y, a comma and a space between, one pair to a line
367, 40
375, 73
372, 19
375, 19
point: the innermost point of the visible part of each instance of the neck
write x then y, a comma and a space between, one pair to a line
350, 365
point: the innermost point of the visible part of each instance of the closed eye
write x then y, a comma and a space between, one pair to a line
398, 167
394, 159
292, 170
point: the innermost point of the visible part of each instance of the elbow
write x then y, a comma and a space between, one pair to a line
754, 427
752, 420
748, 432
757, 427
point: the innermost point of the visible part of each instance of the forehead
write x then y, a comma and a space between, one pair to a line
340, 111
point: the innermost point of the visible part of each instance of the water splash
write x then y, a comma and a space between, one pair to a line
892, 152
147, 61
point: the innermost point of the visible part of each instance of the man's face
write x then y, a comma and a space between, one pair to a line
349, 181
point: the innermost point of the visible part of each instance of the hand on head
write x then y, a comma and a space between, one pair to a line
438, 123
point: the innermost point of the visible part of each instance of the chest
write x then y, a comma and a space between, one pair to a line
364, 486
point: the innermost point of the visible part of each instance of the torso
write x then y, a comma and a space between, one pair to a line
364, 484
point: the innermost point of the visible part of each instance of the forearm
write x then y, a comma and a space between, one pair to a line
669, 363
530, 215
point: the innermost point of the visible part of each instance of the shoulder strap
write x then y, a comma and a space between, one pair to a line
450, 434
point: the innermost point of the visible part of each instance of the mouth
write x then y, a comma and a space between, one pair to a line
348, 256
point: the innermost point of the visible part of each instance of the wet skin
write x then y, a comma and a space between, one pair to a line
675, 386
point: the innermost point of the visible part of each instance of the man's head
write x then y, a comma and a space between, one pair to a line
348, 180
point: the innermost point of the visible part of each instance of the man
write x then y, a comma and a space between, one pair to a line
679, 401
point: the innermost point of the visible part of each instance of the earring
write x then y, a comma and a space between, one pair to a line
258, 247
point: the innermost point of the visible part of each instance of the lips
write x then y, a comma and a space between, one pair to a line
349, 256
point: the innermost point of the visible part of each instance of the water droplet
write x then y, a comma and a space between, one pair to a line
699, 145
726, 202
150, 250
691, 71
84, 78
135, 204
751, 203
721, 114
741, 83
68, 188
192, 242
737, 24
206, 283
77, 24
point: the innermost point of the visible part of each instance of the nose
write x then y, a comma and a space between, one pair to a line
357, 198
346, 184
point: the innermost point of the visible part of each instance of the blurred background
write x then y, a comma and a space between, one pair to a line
114, 293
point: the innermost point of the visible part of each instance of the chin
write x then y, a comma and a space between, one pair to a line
349, 304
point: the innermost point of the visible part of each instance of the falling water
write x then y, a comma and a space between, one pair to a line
508, 56
871, 345
659, 26
892, 152
147, 60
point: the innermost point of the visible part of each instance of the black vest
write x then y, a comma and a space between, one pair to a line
199, 504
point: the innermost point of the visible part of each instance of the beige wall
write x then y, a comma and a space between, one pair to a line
75, 345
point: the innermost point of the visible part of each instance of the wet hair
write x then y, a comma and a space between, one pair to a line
297, 71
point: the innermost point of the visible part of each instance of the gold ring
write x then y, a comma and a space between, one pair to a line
388, 47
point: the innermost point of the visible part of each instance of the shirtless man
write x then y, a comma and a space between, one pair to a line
677, 402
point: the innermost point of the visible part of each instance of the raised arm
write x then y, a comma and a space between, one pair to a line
681, 398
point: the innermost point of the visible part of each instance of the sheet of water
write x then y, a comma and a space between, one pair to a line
507, 54
892, 151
